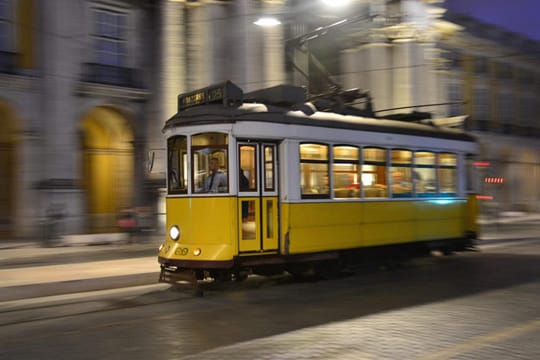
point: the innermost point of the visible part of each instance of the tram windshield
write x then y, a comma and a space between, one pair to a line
210, 163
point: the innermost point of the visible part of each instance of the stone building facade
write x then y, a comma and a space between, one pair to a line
86, 86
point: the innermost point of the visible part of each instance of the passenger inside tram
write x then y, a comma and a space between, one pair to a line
401, 184
243, 181
217, 180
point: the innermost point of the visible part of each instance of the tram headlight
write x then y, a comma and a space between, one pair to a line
197, 251
174, 232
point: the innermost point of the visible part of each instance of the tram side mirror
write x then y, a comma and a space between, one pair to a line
150, 161
156, 162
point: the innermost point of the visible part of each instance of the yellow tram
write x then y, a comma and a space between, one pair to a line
267, 182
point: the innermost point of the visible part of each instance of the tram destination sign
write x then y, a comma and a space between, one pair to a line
226, 93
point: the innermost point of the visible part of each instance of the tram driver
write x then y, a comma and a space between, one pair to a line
217, 180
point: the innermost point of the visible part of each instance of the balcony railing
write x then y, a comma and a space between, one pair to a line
111, 75
8, 62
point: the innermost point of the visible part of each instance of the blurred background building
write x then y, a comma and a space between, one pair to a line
87, 85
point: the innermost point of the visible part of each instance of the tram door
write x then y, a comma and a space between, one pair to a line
257, 197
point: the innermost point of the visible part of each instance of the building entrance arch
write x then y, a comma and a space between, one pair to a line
108, 166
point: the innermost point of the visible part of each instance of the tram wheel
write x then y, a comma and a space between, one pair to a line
240, 276
328, 270
447, 252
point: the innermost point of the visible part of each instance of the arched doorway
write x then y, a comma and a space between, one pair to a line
8, 143
107, 169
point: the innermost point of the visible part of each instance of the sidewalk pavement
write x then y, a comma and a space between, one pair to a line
29, 270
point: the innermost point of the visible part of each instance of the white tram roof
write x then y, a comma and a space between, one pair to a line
235, 109
258, 112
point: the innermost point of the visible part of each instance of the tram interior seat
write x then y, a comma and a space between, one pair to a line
371, 192
346, 193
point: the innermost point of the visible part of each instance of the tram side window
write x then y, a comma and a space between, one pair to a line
177, 165
209, 163
247, 179
345, 170
401, 173
269, 177
314, 170
374, 172
424, 174
447, 174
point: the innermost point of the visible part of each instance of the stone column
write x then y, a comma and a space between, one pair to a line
352, 76
376, 68
299, 58
60, 58
198, 47
402, 78
172, 60
273, 49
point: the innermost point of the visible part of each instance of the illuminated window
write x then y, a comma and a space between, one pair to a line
248, 165
269, 176
345, 171
424, 174
314, 170
447, 175
209, 163
177, 165
374, 172
401, 172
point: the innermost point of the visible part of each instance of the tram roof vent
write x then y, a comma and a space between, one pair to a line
280, 95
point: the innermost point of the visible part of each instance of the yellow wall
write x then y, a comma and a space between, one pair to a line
107, 166
8, 147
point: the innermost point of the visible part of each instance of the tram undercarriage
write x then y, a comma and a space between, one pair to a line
197, 277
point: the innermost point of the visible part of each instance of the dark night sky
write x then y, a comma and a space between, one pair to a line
520, 16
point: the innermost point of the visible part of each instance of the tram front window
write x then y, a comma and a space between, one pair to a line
177, 165
210, 163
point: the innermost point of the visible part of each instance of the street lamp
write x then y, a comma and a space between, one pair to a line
267, 21
270, 21
336, 3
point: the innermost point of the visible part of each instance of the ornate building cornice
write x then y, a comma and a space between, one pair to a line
109, 91
18, 82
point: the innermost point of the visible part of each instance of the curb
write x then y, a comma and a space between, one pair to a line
19, 292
